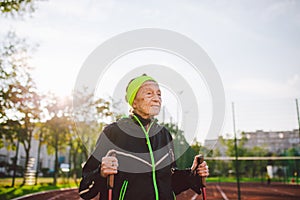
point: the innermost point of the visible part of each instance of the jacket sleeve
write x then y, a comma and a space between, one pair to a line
91, 183
185, 179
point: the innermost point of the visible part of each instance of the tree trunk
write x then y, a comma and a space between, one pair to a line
26, 164
15, 165
70, 160
38, 158
75, 154
56, 160
27, 151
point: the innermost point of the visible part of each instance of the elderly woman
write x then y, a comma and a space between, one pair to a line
143, 166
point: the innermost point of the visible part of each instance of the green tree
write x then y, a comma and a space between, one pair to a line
292, 165
184, 154
27, 105
256, 168
58, 128
19, 100
90, 115
12, 129
41, 128
241, 151
58, 138
17, 7
222, 167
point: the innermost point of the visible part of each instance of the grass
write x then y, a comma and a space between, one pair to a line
44, 184
232, 179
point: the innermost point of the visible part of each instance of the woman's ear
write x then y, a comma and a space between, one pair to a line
133, 105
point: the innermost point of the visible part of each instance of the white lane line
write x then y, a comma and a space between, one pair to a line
282, 192
222, 193
194, 197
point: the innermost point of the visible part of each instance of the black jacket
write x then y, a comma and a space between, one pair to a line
136, 173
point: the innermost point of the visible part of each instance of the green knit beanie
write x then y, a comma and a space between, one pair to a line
134, 86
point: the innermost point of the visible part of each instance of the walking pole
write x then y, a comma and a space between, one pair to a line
203, 179
110, 180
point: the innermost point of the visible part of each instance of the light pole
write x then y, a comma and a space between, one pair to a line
298, 138
236, 155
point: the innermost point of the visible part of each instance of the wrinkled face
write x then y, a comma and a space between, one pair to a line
147, 101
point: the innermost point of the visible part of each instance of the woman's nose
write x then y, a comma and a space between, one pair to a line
157, 98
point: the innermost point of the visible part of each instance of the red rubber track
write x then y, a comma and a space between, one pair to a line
222, 191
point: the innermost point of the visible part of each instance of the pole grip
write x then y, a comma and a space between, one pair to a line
200, 159
110, 178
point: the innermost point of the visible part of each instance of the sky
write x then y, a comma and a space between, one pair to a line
254, 45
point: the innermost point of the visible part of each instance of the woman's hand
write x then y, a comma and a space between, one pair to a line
200, 169
109, 166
